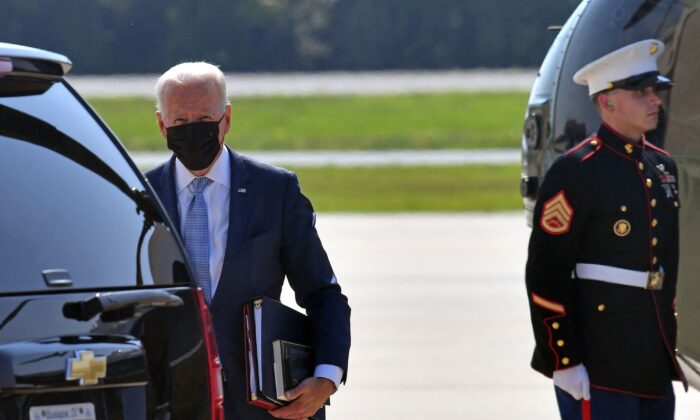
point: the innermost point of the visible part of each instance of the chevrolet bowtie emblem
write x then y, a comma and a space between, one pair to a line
86, 367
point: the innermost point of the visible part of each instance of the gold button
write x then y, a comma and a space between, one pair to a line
601, 307
629, 148
594, 142
641, 166
654, 260
649, 183
565, 361
555, 325
654, 241
560, 343
654, 223
623, 208
653, 202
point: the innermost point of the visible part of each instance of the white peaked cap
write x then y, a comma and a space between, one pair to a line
631, 60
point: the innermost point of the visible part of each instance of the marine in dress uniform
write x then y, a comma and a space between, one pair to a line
603, 255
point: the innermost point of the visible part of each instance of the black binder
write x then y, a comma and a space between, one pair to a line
293, 364
266, 320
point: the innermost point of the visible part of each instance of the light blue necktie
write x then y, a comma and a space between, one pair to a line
197, 235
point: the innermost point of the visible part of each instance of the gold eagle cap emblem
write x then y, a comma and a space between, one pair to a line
654, 48
86, 367
622, 228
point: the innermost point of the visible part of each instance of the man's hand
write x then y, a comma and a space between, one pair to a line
574, 381
308, 397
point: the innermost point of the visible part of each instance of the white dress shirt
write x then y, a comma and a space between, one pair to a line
217, 196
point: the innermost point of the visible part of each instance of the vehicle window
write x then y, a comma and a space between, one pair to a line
67, 204
606, 27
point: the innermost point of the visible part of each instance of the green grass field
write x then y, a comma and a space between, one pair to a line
423, 121
393, 189
426, 121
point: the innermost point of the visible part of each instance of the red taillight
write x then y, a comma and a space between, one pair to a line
216, 387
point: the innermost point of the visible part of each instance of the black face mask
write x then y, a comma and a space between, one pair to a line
195, 144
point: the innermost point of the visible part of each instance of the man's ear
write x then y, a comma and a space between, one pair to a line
604, 102
161, 125
227, 118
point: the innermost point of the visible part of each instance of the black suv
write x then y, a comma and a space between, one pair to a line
98, 317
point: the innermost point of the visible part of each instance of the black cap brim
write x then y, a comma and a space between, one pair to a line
643, 81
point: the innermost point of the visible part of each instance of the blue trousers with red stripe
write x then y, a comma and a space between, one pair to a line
609, 405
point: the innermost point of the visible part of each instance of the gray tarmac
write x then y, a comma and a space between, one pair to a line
323, 83
440, 320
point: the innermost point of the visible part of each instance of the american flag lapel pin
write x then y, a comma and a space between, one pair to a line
242, 190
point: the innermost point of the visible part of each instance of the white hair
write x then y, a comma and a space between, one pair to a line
198, 71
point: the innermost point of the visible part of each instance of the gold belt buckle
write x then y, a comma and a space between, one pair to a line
655, 280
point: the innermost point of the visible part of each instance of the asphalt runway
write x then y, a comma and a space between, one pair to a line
440, 320
323, 83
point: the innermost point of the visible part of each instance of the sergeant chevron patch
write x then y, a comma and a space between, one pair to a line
557, 214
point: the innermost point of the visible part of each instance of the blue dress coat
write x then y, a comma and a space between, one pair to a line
271, 235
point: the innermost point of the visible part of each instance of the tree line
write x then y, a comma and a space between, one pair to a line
142, 36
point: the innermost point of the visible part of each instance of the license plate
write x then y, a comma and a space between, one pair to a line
81, 411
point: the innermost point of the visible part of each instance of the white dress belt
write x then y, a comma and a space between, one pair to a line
645, 279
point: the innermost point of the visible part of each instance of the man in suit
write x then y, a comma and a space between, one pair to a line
603, 256
246, 225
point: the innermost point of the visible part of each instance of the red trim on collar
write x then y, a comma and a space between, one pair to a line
635, 143
612, 149
657, 148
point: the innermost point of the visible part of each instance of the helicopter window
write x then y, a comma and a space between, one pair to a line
628, 21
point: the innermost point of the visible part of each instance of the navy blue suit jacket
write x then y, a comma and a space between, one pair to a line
271, 235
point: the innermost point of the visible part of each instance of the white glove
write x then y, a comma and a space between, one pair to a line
574, 381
